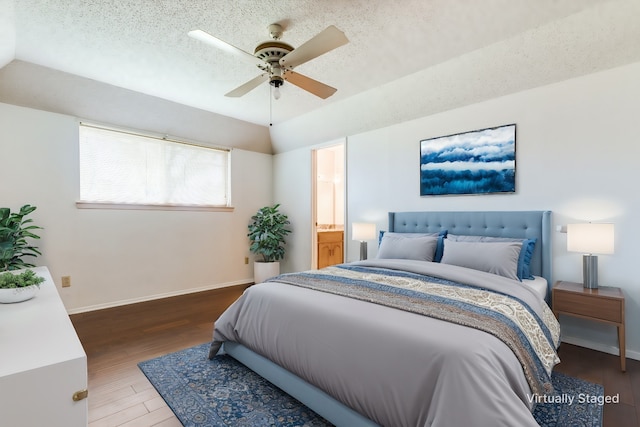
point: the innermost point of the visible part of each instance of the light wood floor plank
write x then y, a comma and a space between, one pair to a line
120, 417
123, 404
104, 398
154, 404
152, 418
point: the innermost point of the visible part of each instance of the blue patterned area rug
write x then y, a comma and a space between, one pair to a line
223, 392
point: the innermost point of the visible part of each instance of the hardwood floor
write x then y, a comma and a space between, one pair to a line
116, 339
602, 368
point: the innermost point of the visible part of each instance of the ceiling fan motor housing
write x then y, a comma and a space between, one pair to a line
271, 51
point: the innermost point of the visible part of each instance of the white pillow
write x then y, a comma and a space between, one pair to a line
499, 258
394, 246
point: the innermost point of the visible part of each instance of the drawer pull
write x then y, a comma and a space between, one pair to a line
80, 395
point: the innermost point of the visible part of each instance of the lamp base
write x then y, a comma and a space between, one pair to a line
363, 251
590, 271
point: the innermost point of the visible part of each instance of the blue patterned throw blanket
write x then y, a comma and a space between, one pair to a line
506, 317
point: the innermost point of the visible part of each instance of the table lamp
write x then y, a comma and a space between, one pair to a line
590, 239
363, 231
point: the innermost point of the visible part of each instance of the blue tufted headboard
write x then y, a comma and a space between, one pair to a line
517, 224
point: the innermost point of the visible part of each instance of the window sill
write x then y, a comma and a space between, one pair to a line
132, 206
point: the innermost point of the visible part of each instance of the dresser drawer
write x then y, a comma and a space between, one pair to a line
588, 306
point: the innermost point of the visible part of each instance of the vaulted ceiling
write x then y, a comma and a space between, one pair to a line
404, 59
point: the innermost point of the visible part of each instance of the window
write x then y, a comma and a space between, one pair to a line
123, 168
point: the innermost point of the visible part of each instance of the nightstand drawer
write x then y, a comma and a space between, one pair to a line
585, 305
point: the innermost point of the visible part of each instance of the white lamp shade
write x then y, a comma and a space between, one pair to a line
363, 231
590, 238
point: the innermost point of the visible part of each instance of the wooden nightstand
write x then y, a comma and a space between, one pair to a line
604, 304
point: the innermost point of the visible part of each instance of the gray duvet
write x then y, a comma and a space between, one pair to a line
397, 368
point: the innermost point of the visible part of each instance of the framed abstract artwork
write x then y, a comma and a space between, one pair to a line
476, 162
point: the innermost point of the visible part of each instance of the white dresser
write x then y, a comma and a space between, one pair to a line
42, 363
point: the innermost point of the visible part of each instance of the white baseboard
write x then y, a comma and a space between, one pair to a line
154, 297
609, 349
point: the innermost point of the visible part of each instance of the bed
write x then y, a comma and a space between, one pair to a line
400, 341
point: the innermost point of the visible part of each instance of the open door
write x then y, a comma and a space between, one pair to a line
328, 205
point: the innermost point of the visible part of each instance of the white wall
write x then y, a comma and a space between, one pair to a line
577, 155
292, 189
119, 256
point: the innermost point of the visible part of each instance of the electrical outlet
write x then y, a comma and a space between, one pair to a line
246, 260
66, 281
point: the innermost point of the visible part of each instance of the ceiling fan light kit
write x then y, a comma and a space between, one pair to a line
277, 59
276, 81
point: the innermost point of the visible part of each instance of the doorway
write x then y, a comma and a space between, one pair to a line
328, 205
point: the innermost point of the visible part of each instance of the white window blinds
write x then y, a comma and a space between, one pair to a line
125, 168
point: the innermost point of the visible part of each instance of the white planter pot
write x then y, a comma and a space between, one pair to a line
8, 296
265, 270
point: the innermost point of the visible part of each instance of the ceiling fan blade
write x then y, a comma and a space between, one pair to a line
327, 40
307, 83
248, 86
220, 44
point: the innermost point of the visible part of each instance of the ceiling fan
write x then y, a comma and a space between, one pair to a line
277, 59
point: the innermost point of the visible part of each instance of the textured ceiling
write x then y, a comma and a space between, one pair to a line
143, 46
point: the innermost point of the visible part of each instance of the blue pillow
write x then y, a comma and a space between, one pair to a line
380, 235
524, 262
440, 246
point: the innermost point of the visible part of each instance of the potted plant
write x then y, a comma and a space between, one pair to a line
15, 229
267, 233
17, 287
14, 232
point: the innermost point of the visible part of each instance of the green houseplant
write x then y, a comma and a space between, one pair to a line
267, 232
15, 229
19, 286
21, 280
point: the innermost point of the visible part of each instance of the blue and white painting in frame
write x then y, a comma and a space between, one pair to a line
476, 162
